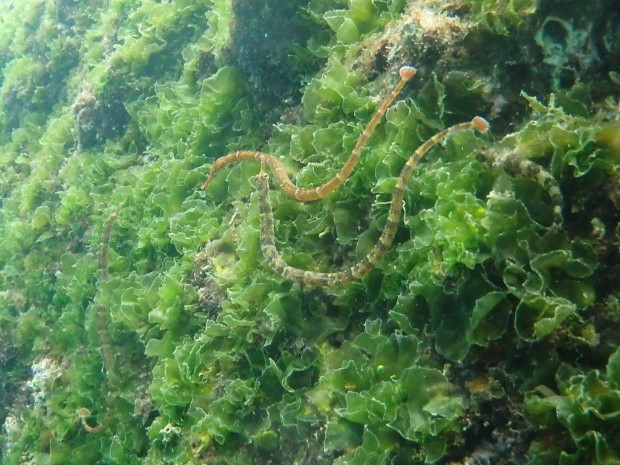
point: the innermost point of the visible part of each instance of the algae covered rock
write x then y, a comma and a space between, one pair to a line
487, 334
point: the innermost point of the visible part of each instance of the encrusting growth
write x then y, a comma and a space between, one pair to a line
279, 172
362, 267
102, 327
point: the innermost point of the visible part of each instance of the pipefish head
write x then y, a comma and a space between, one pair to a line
215, 167
207, 182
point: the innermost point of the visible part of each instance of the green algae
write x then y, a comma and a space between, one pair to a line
479, 314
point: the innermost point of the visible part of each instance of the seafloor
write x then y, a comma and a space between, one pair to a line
140, 322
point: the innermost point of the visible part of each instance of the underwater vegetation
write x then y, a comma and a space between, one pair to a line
157, 332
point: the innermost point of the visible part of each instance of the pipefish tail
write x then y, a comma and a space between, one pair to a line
367, 263
279, 172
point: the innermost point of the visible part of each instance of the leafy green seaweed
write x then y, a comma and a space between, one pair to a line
487, 331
